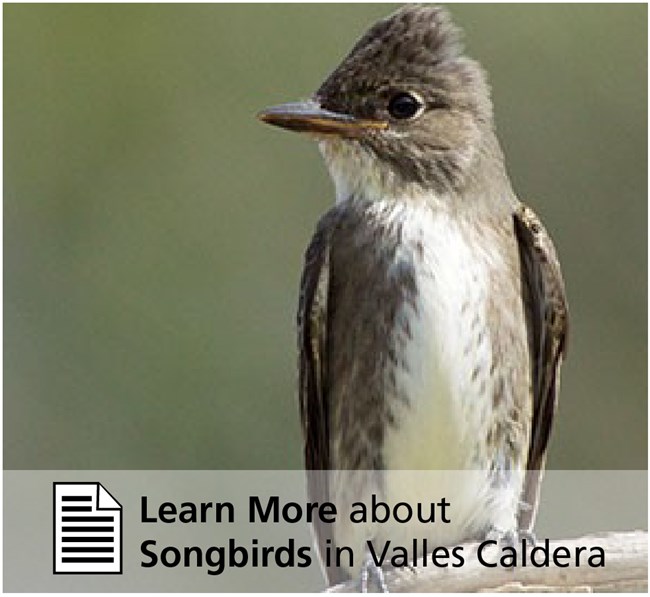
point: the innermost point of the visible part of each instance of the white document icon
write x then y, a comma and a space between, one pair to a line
87, 530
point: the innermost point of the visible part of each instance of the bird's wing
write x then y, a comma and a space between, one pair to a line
547, 322
312, 349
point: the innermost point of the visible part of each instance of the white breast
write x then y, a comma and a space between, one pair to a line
433, 448
446, 416
437, 429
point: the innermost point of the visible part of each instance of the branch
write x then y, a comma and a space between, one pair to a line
625, 570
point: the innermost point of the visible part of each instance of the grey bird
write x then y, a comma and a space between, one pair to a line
432, 317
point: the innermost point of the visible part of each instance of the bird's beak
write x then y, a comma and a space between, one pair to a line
309, 117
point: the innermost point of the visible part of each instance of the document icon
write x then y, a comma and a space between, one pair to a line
87, 530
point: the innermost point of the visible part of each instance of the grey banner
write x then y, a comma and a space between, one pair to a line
573, 503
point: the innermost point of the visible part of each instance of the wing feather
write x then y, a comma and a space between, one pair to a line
312, 349
547, 321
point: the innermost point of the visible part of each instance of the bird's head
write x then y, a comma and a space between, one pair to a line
405, 112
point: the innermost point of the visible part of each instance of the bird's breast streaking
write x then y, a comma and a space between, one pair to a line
440, 385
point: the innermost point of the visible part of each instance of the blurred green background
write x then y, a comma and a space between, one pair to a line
154, 230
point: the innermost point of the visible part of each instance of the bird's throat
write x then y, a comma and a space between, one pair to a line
358, 173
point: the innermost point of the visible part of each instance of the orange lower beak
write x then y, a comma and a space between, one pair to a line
309, 117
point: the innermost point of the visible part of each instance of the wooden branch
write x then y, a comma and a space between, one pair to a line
625, 570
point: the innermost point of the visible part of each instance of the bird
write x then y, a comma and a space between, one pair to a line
432, 319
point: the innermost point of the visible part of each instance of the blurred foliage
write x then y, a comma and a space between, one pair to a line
154, 230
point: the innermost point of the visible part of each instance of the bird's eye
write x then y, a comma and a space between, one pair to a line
405, 106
